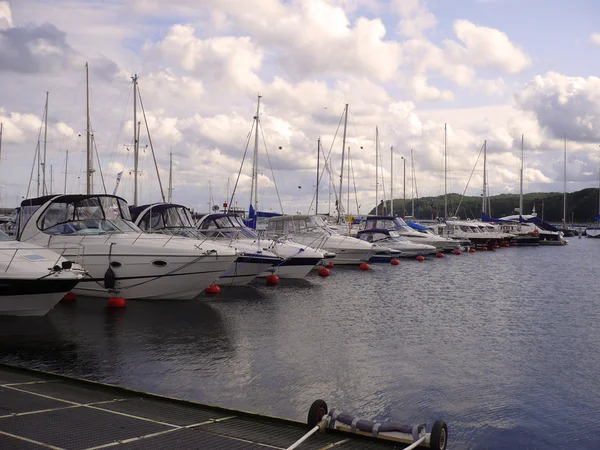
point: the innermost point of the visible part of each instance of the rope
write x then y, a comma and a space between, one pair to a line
241, 167
467, 186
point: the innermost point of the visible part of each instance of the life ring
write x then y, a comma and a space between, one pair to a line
536, 232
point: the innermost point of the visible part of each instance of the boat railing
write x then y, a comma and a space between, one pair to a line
15, 252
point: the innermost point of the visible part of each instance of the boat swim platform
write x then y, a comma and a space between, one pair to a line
41, 410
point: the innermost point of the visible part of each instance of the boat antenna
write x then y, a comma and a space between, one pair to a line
339, 199
317, 191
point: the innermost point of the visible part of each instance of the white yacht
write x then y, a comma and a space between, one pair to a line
440, 243
173, 219
548, 235
297, 259
97, 232
471, 230
312, 231
33, 279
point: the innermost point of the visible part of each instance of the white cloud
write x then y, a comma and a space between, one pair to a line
595, 38
486, 47
5, 16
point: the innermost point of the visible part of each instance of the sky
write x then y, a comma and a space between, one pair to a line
486, 70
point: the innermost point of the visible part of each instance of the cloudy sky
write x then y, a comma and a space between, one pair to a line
490, 69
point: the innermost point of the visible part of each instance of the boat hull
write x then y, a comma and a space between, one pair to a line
293, 268
245, 270
592, 232
33, 297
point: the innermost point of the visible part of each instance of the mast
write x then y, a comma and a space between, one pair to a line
483, 206
0, 141
38, 167
254, 186
348, 201
44, 189
90, 157
318, 160
339, 208
66, 170
170, 176
445, 175
521, 183
377, 169
412, 184
392, 180
136, 136
565, 186
50, 181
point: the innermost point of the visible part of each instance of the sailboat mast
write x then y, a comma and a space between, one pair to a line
38, 156
392, 180
412, 185
565, 186
44, 189
170, 176
318, 160
50, 192
348, 201
483, 206
254, 186
66, 170
90, 158
445, 174
521, 183
377, 169
136, 136
339, 208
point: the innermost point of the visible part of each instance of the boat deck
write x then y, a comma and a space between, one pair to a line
39, 410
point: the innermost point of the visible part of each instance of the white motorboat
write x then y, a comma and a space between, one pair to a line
173, 219
471, 230
97, 232
312, 231
33, 279
548, 235
391, 239
398, 225
297, 259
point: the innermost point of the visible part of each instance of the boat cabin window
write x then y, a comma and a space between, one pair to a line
275, 225
91, 215
4, 236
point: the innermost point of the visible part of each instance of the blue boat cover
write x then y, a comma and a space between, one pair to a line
416, 226
539, 222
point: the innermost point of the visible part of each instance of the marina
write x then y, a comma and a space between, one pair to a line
504, 364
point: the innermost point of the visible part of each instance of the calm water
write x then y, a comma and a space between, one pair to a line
504, 345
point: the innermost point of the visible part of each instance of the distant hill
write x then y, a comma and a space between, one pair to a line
582, 206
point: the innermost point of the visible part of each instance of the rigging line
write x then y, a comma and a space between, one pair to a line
351, 164
271, 167
162, 192
241, 167
98, 159
31, 175
472, 171
114, 145
327, 160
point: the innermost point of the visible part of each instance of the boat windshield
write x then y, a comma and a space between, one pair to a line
4, 236
159, 218
395, 223
90, 215
230, 227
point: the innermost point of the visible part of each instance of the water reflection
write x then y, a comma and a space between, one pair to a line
502, 345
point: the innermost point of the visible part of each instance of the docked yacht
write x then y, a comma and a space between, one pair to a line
548, 235
33, 279
96, 231
411, 235
173, 219
312, 231
392, 239
471, 230
297, 259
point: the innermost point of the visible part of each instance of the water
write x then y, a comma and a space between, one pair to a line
503, 346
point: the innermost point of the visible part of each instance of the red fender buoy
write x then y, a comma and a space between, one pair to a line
365, 266
472, 250
324, 272
506, 245
484, 249
69, 297
420, 258
496, 247
440, 255
272, 280
116, 302
394, 262
212, 289
515, 244
330, 265
457, 252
